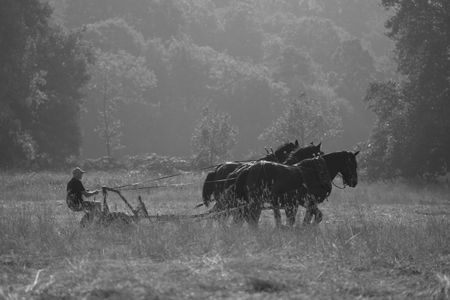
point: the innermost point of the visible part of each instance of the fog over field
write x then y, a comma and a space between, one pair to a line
147, 148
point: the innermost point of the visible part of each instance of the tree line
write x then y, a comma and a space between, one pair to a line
43, 68
109, 77
411, 134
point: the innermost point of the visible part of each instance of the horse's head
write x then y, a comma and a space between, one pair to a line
284, 150
348, 169
303, 153
281, 153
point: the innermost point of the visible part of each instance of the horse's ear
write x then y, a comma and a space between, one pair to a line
356, 153
296, 143
266, 150
318, 145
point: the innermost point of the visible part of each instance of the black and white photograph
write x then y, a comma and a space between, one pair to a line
224, 149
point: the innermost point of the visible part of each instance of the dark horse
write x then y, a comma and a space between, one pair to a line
216, 180
230, 201
306, 183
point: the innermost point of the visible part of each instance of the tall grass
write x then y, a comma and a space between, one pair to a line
356, 236
33, 230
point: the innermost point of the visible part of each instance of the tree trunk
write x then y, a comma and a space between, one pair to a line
106, 116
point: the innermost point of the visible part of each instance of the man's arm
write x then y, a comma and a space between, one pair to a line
88, 194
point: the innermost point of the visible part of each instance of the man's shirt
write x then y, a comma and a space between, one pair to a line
74, 191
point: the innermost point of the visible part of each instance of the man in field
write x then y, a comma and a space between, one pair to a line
76, 191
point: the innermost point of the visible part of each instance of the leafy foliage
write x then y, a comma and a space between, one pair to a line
243, 56
153, 18
411, 136
388, 145
213, 137
43, 71
168, 59
302, 119
117, 78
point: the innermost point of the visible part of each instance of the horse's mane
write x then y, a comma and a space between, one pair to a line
336, 154
288, 147
296, 154
283, 147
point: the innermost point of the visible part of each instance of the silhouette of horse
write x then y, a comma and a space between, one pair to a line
294, 158
215, 181
229, 201
306, 183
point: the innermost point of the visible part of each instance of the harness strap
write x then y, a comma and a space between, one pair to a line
341, 188
172, 175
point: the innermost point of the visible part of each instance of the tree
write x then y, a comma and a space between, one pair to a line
242, 56
304, 119
19, 22
421, 31
318, 37
354, 69
213, 137
113, 35
241, 36
43, 70
64, 58
153, 18
387, 147
117, 78
295, 69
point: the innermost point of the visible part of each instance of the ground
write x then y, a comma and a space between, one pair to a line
378, 241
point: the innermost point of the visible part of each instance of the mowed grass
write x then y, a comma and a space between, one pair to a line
378, 241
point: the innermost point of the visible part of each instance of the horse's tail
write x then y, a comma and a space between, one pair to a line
208, 187
240, 185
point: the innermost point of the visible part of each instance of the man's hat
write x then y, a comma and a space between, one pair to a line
78, 170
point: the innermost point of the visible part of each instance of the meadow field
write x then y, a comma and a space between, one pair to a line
377, 241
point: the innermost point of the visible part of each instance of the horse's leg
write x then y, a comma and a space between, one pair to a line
85, 220
309, 205
229, 202
277, 216
208, 188
238, 214
209, 222
291, 213
216, 195
255, 215
317, 215
238, 218
308, 216
222, 212
252, 213
223, 206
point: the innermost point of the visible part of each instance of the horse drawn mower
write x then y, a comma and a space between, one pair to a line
104, 217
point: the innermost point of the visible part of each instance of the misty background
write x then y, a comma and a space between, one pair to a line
210, 80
